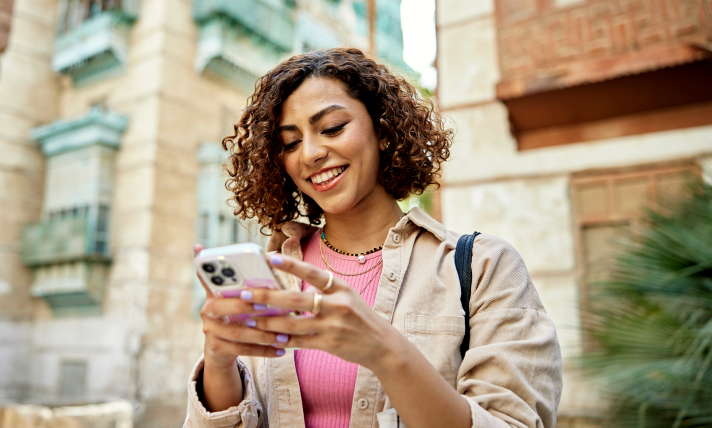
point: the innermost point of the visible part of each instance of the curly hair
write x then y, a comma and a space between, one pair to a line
417, 140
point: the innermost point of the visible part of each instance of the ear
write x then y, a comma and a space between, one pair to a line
383, 144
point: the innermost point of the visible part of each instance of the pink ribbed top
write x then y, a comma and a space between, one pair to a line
327, 382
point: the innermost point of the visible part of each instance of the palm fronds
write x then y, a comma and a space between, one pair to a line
651, 322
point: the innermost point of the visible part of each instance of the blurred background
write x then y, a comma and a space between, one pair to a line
572, 118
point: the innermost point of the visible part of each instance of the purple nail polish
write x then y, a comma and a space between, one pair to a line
259, 307
251, 323
280, 352
246, 295
276, 259
282, 338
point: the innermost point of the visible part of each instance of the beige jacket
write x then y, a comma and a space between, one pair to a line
511, 376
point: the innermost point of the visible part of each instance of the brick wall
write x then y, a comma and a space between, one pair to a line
5, 18
542, 47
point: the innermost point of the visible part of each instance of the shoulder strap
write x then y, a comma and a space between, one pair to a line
463, 264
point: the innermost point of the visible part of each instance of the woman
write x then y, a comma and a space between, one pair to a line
333, 136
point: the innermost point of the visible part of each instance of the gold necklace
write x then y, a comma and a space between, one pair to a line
323, 257
368, 283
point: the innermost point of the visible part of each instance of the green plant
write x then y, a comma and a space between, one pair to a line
651, 321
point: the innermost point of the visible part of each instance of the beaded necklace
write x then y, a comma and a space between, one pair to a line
361, 257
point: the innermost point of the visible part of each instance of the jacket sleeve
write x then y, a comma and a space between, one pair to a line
512, 372
247, 414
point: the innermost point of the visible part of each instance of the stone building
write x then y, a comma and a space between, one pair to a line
111, 115
571, 116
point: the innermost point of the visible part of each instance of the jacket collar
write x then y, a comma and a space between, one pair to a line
289, 238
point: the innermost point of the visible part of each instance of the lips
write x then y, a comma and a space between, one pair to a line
325, 177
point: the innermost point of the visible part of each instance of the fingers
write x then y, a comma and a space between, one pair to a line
307, 272
219, 308
242, 333
225, 347
290, 300
291, 325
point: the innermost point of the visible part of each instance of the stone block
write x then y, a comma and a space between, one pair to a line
118, 414
467, 63
129, 263
143, 122
41, 11
134, 188
480, 132
130, 229
28, 85
32, 36
175, 193
456, 11
172, 233
15, 280
15, 353
534, 215
560, 296
173, 269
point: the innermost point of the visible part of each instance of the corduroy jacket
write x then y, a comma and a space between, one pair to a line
511, 375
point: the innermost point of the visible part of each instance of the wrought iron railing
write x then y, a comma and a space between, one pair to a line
82, 237
271, 21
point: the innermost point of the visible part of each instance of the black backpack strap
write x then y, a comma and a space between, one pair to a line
463, 264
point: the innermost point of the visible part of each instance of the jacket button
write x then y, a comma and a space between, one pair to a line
362, 403
396, 238
392, 276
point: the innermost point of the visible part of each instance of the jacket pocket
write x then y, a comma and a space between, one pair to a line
438, 339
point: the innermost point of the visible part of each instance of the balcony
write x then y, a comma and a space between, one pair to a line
94, 45
66, 240
269, 20
241, 40
70, 259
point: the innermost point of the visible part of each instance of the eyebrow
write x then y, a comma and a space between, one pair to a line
313, 119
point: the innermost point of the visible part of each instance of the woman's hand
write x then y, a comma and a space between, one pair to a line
226, 338
345, 326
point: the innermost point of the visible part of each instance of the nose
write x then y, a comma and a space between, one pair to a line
312, 150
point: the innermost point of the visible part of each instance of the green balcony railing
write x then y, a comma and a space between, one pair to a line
65, 240
271, 20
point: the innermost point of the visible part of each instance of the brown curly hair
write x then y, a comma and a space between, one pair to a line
418, 141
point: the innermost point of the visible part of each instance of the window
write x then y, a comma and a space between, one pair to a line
73, 380
74, 12
608, 208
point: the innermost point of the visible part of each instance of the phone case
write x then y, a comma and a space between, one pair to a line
231, 269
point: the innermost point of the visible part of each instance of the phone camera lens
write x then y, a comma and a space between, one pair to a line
217, 280
228, 272
209, 268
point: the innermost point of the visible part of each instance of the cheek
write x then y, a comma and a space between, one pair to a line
291, 165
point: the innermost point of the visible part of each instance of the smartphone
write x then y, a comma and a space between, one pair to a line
230, 270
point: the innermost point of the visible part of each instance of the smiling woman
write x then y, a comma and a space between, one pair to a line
334, 137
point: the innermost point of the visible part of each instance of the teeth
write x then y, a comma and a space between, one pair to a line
324, 176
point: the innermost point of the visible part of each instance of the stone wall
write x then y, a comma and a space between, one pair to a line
525, 196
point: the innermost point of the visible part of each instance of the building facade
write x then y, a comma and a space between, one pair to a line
572, 117
112, 114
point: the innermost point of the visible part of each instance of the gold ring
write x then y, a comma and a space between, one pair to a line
316, 308
330, 282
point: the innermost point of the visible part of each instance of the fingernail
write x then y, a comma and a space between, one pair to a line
259, 307
251, 323
280, 352
276, 259
282, 338
246, 295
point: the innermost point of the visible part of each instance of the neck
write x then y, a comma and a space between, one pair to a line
365, 227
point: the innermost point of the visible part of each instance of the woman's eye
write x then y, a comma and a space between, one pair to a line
333, 131
291, 146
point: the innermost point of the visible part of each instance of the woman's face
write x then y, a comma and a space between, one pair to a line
331, 149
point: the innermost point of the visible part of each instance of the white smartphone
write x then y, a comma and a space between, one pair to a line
232, 269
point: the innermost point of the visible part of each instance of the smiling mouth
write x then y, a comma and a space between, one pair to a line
327, 176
